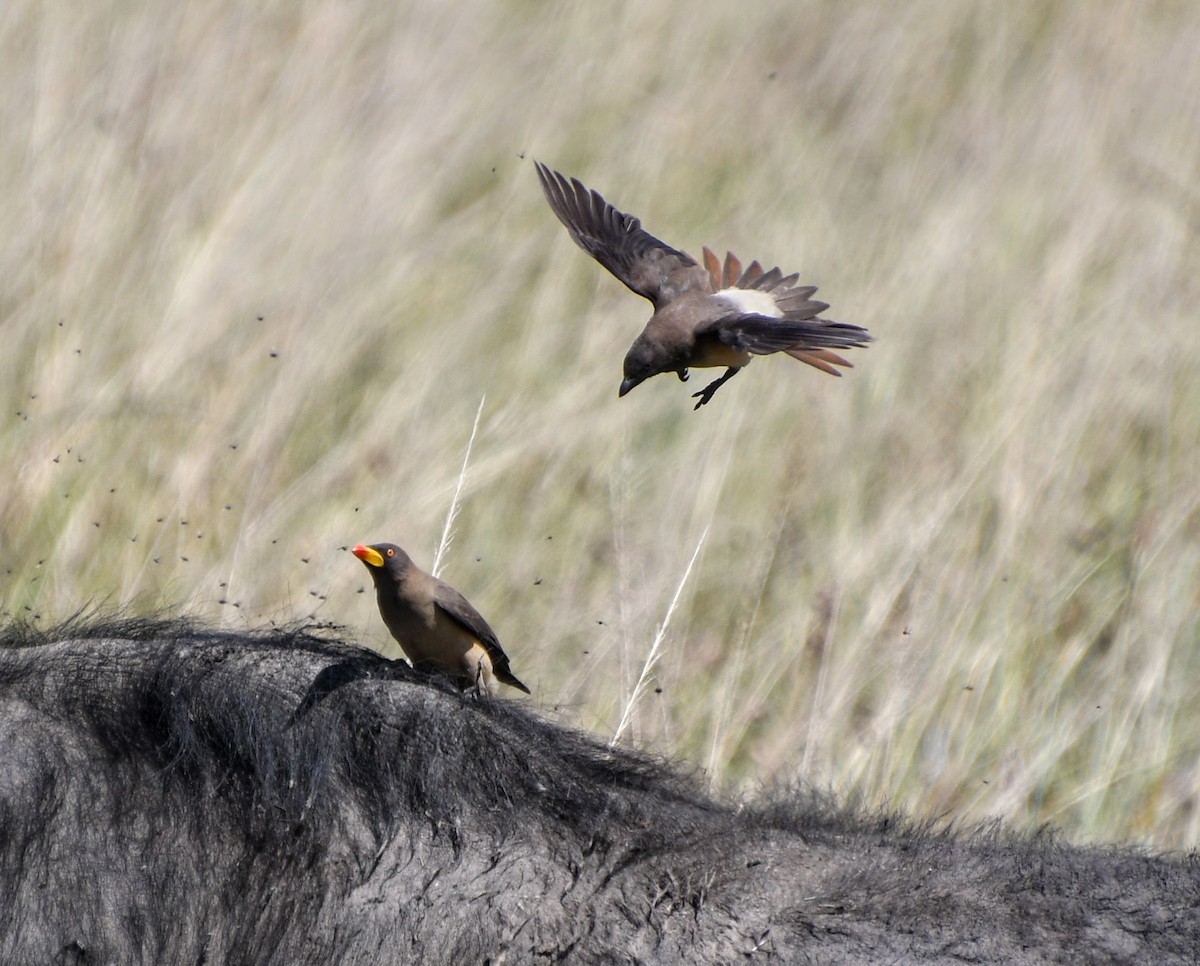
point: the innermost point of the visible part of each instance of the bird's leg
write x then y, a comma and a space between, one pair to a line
705, 394
682, 374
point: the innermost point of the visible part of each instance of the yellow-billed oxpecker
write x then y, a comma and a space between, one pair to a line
710, 315
435, 625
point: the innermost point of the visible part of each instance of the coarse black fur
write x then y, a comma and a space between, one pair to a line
170, 794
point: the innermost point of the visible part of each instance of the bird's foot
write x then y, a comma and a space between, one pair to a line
479, 690
683, 375
705, 394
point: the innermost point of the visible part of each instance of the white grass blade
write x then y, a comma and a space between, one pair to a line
452, 513
655, 651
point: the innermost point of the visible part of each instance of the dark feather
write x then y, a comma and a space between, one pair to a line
803, 309
787, 299
617, 241
753, 272
762, 335
455, 606
768, 280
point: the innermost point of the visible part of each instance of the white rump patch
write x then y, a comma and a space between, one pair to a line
751, 301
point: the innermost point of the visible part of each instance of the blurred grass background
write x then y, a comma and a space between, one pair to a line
261, 263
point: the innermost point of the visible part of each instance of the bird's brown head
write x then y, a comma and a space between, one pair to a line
651, 355
381, 558
642, 361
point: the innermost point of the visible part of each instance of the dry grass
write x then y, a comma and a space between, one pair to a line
261, 268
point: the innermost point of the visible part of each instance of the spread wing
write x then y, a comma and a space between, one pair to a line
651, 268
455, 606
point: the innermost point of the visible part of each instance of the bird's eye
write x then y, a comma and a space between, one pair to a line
391, 553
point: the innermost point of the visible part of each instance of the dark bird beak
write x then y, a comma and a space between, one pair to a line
627, 385
368, 555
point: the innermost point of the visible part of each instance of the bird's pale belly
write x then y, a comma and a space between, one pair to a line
448, 647
709, 353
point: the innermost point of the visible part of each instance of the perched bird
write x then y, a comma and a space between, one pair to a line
703, 316
435, 625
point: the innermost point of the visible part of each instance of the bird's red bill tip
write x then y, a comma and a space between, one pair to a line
368, 555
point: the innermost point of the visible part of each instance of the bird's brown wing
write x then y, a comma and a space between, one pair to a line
651, 268
455, 606
762, 334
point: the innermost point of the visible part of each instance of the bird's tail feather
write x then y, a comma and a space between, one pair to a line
794, 301
505, 676
822, 359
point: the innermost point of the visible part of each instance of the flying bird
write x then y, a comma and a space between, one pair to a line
435, 625
710, 315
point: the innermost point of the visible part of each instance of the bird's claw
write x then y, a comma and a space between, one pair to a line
705, 394
682, 374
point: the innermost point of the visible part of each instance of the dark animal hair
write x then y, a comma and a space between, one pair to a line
175, 794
